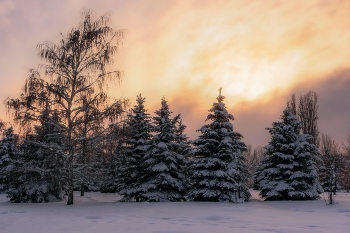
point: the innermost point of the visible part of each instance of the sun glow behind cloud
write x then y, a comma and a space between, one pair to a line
249, 48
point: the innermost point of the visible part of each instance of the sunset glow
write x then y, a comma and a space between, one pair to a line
259, 52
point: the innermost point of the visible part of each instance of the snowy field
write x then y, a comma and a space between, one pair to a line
98, 212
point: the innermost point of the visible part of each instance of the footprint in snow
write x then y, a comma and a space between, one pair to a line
344, 210
215, 218
93, 217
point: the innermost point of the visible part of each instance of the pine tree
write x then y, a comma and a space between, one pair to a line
162, 177
217, 170
40, 168
9, 159
288, 170
137, 145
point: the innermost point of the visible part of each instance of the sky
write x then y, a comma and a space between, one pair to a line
259, 52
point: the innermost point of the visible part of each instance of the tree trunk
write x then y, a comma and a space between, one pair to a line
70, 193
70, 181
82, 187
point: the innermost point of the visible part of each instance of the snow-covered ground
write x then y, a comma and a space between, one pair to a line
98, 212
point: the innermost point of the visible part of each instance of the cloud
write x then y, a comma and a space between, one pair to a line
6, 7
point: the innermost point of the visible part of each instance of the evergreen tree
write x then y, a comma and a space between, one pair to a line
113, 146
115, 157
162, 177
182, 144
256, 176
217, 170
89, 133
137, 145
9, 159
288, 170
40, 166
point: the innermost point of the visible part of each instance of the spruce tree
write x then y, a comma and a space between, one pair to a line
114, 145
288, 170
87, 162
256, 177
162, 177
137, 145
40, 166
182, 144
9, 159
217, 170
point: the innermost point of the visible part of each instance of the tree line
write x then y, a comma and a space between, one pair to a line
74, 137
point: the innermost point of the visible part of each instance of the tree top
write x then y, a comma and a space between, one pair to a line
220, 98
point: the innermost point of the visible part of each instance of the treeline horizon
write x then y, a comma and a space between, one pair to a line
66, 144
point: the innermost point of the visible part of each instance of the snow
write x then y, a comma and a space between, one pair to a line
97, 212
162, 145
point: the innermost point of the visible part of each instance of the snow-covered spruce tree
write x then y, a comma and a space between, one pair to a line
256, 176
162, 177
9, 159
113, 147
182, 144
288, 170
90, 134
39, 179
136, 146
217, 169
88, 166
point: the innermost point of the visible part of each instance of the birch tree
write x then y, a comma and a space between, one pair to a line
75, 67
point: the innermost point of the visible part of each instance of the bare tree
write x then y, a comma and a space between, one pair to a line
253, 159
345, 164
344, 174
331, 170
291, 105
308, 115
76, 68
